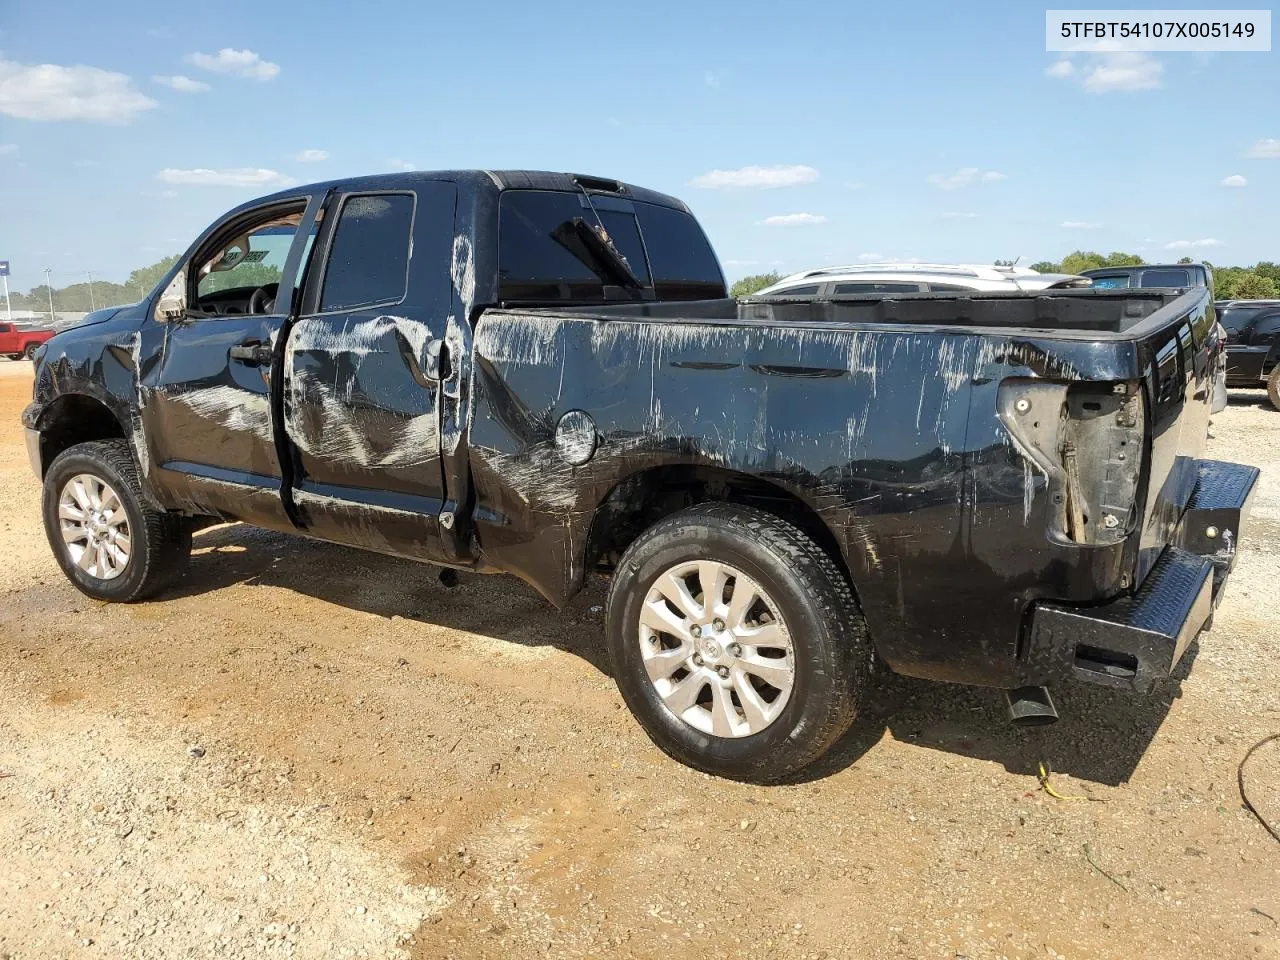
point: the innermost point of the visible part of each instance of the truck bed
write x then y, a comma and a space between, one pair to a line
1091, 313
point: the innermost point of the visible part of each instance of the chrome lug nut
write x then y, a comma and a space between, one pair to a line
697, 659
723, 671
718, 624
696, 630
735, 649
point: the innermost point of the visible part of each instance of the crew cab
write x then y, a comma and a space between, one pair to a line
1253, 344
541, 374
18, 343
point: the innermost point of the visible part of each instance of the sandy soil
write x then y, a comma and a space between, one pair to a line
305, 751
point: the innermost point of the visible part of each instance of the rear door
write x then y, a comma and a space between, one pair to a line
362, 370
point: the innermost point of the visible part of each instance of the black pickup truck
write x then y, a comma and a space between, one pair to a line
541, 374
1253, 344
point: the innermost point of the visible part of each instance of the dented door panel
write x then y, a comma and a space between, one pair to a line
361, 395
866, 427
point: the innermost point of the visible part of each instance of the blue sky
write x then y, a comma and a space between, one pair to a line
924, 130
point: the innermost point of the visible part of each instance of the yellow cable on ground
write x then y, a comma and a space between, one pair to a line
1048, 787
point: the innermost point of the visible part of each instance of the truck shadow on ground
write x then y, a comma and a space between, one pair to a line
500, 607
1102, 734
1101, 737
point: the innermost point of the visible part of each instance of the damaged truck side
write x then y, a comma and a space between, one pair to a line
541, 374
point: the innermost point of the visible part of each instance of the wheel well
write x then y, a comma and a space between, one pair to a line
75, 418
643, 499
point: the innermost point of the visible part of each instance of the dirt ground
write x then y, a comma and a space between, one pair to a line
307, 751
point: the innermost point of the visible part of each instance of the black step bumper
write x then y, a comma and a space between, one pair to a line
1133, 641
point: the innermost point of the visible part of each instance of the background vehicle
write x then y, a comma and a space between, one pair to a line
541, 374
873, 278
1253, 344
1151, 275
17, 342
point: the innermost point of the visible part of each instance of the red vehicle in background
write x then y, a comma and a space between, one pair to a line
18, 343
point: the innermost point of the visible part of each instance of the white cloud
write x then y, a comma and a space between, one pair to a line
1192, 244
242, 63
1111, 71
854, 184
236, 177
965, 176
8, 149
1235, 180
312, 156
182, 84
1266, 149
395, 163
713, 79
792, 220
779, 175
955, 215
50, 92
1080, 225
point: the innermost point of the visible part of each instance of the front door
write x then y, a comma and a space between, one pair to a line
361, 369
207, 404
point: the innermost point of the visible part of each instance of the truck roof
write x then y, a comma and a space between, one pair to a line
487, 180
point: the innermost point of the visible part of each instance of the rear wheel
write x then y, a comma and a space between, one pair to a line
109, 542
736, 642
30, 352
1273, 386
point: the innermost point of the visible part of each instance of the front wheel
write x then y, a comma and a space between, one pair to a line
109, 542
736, 642
30, 352
1273, 387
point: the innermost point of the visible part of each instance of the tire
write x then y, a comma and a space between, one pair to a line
1273, 386
830, 654
14, 356
30, 352
155, 544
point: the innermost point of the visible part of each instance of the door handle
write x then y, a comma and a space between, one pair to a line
255, 353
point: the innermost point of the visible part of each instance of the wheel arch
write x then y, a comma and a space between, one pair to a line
648, 496
72, 418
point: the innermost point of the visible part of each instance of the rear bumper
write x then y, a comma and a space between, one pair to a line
1133, 641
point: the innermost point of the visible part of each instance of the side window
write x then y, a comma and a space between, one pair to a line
5, 328
808, 290
369, 256
251, 260
948, 288
870, 286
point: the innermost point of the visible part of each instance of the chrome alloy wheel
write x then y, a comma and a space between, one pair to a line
94, 526
716, 649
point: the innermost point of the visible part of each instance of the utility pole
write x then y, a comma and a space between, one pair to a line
89, 274
48, 285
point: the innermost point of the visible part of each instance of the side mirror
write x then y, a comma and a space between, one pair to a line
172, 304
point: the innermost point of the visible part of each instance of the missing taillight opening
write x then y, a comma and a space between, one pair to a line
1086, 438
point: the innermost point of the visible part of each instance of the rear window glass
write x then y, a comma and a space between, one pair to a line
872, 287
369, 257
664, 248
1166, 278
683, 263
1114, 282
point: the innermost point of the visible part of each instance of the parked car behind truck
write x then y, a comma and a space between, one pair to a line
541, 374
1253, 344
19, 343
